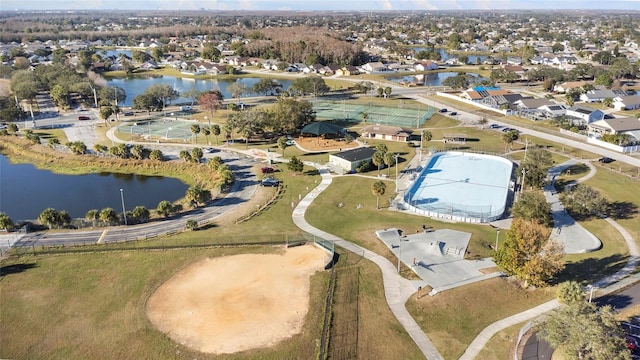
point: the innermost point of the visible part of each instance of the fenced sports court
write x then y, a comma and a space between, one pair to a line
165, 128
461, 186
403, 115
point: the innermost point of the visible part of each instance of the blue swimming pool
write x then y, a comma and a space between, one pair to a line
461, 186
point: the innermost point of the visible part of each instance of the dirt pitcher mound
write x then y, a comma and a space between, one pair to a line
241, 302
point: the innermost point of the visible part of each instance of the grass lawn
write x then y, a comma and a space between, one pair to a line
92, 306
452, 319
502, 344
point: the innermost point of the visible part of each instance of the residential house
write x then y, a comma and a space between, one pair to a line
583, 115
348, 70
569, 85
615, 126
374, 68
386, 132
540, 105
426, 65
629, 102
350, 160
598, 95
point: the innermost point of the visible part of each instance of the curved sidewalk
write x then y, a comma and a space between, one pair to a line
397, 289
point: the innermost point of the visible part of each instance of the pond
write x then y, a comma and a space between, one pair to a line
134, 86
25, 191
446, 56
431, 79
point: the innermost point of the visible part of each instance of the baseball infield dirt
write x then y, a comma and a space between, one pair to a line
236, 303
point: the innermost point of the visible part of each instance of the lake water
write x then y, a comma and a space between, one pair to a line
431, 79
134, 86
25, 191
446, 56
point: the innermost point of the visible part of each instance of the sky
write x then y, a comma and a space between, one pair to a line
301, 5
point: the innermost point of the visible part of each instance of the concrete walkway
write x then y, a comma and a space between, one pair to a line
397, 289
575, 238
605, 286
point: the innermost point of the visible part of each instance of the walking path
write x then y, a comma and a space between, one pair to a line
606, 285
396, 288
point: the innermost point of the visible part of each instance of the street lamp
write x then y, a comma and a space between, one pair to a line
524, 172
206, 118
395, 156
166, 134
497, 236
591, 287
124, 211
400, 251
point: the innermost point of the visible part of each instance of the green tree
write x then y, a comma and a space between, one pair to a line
156, 154
529, 254
185, 155
378, 189
120, 150
140, 214
206, 131
290, 114
583, 331
196, 195
570, 292
585, 201
509, 137
237, 89
105, 113
389, 159
537, 163
49, 217
226, 176
214, 163
139, 152
295, 165
425, 138
378, 159
532, 206
191, 225
604, 79
165, 208
282, 143
195, 130
215, 129
93, 216
196, 154
108, 216
387, 92
5, 222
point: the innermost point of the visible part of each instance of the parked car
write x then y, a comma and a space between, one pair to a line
632, 343
495, 126
267, 170
209, 150
605, 160
443, 110
128, 113
84, 118
270, 182
290, 142
453, 113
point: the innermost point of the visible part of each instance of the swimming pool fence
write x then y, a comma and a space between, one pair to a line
404, 115
452, 211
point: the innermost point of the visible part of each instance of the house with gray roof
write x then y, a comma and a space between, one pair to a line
350, 160
629, 102
580, 114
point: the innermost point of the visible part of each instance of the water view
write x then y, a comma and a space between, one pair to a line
25, 191
134, 86
446, 56
431, 79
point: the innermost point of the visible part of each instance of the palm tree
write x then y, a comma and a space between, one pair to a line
195, 129
509, 137
378, 159
365, 116
378, 189
206, 131
389, 158
426, 137
215, 129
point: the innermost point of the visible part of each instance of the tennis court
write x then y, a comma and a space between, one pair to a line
404, 115
160, 128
